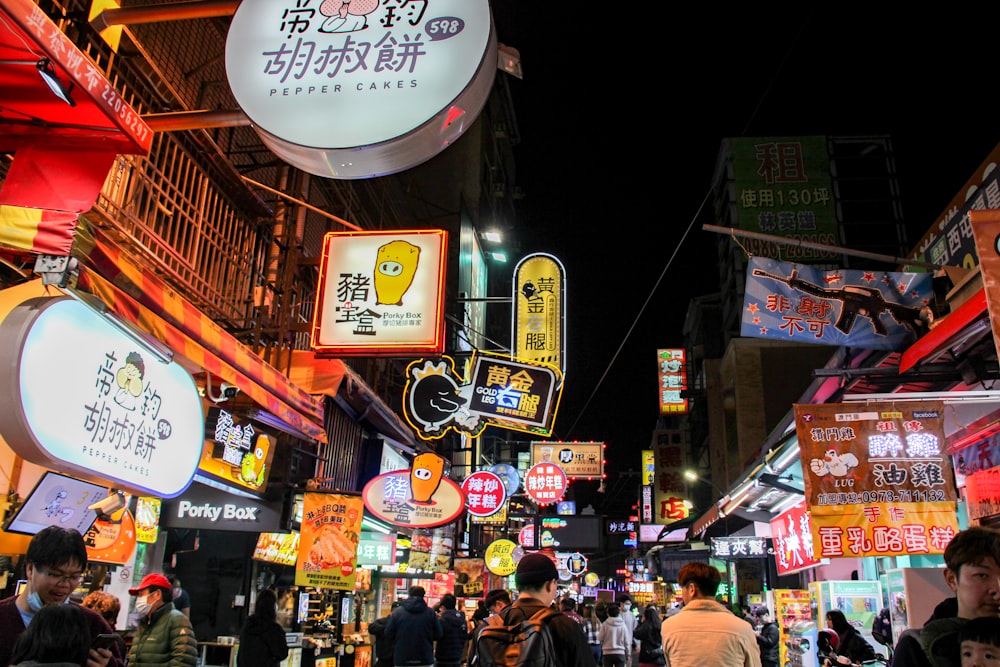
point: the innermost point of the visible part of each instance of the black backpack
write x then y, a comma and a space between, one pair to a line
525, 644
882, 628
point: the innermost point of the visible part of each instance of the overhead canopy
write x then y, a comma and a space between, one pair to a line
62, 153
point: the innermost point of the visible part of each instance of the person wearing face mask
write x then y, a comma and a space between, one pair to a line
164, 637
55, 561
625, 602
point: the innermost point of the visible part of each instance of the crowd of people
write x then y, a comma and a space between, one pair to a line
41, 627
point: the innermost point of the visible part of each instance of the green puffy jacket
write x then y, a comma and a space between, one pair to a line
164, 639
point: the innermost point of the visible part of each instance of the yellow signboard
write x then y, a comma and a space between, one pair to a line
500, 558
540, 310
579, 460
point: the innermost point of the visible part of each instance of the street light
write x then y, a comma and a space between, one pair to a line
692, 476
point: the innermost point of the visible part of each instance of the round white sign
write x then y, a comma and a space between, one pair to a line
321, 80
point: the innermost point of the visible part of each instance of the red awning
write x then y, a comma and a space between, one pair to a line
948, 330
62, 153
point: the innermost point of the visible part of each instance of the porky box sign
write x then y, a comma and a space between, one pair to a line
203, 507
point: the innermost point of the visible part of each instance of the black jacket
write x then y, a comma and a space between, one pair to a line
384, 646
650, 640
768, 642
415, 627
938, 638
262, 643
854, 646
567, 634
456, 632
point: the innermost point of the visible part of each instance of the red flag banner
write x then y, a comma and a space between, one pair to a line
37, 230
878, 480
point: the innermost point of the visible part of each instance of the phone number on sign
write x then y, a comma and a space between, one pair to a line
866, 497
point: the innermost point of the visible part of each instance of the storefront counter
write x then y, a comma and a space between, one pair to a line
343, 655
223, 654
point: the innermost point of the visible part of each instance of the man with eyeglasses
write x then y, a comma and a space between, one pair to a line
55, 562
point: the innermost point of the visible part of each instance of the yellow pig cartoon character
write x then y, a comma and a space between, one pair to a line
395, 266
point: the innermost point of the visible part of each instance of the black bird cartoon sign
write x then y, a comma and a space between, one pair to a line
503, 392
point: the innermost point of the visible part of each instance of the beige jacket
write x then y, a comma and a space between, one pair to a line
706, 634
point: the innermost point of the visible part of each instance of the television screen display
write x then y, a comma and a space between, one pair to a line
57, 500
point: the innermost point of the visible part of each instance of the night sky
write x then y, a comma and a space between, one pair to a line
621, 112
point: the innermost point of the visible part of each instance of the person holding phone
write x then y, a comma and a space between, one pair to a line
55, 562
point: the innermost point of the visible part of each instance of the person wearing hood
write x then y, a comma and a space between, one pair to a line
616, 639
972, 571
262, 639
164, 637
414, 627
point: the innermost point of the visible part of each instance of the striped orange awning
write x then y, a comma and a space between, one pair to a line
182, 328
37, 230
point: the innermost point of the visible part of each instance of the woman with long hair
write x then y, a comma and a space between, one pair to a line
591, 626
852, 645
262, 639
650, 641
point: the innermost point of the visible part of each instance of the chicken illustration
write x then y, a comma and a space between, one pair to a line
832, 463
129, 381
346, 15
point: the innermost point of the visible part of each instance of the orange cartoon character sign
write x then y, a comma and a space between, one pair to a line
425, 477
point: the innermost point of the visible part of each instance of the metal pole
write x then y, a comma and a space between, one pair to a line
165, 12
732, 231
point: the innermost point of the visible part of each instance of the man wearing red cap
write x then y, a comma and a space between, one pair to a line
164, 637
56, 560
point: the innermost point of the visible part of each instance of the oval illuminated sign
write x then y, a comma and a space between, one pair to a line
363, 88
500, 558
388, 497
87, 398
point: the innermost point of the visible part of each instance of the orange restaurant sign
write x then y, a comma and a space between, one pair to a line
328, 540
878, 480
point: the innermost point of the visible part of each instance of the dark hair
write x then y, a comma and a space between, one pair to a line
57, 633
497, 595
417, 591
839, 621
762, 611
702, 575
613, 610
105, 604
166, 593
652, 614
971, 547
264, 608
56, 547
448, 601
984, 629
567, 604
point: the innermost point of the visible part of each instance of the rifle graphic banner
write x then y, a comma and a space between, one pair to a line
877, 478
880, 310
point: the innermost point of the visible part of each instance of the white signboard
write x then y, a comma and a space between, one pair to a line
381, 293
320, 79
85, 398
